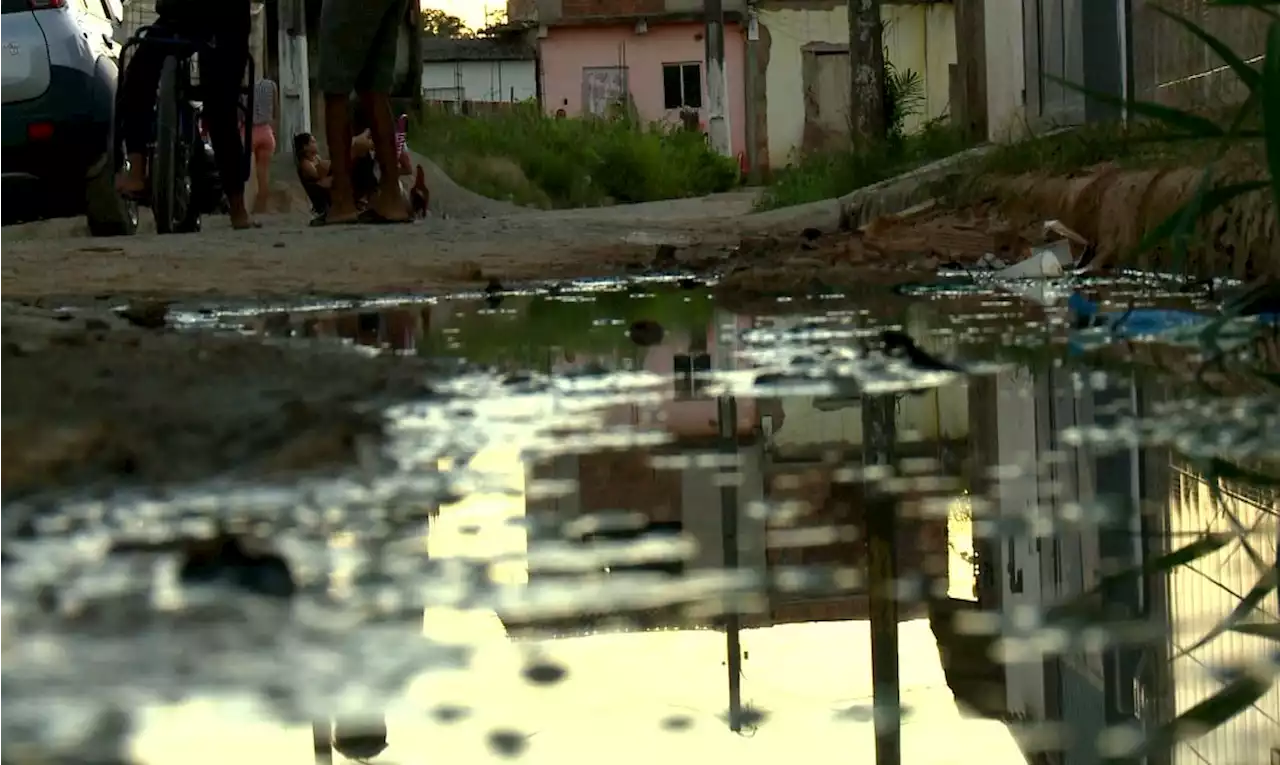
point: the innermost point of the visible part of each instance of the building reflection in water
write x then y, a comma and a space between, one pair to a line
804, 658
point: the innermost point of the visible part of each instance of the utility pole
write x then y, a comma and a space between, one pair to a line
717, 86
880, 510
866, 65
295, 74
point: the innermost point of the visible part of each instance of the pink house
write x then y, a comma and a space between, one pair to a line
661, 66
593, 54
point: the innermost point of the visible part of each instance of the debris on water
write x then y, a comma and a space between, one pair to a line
508, 743
1066, 232
360, 739
147, 314
545, 672
664, 257
227, 560
1043, 263
645, 333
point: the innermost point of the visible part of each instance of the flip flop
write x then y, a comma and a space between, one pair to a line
321, 221
372, 217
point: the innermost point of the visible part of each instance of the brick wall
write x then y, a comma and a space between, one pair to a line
584, 8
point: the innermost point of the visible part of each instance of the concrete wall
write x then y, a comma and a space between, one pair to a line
566, 51
481, 80
918, 37
942, 413
1006, 72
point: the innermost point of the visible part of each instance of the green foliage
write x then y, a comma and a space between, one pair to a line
1261, 107
573, 162
904, 97
437, 23
827, 174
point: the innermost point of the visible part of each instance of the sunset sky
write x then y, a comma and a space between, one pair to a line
470, 11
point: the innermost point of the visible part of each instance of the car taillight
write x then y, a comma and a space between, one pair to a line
41, 5
40, 131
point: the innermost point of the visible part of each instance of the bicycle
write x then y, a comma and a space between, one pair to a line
183, 182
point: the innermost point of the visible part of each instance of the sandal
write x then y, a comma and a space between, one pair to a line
374, 218
321, 221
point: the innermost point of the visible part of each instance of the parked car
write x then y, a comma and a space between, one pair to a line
59, 61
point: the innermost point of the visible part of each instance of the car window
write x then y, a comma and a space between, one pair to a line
14, 6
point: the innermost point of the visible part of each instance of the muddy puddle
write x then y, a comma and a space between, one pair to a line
637, 526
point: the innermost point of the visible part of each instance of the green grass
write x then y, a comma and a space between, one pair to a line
519, 154
1137, 144
827, 174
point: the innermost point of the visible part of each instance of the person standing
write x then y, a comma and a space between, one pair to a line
226, 25
358, 52
266, 110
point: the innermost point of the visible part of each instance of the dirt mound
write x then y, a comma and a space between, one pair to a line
1116, 207
453, 201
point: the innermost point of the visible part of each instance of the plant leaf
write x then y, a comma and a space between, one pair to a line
1271, 108
1205, 545
1268, 630
1251, 77
1237, 696
1196, 207
1265, 586
1187, 122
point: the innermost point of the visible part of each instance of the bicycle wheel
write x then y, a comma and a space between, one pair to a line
170, 172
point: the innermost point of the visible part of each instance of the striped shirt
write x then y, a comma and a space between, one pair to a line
264, 102
402, 141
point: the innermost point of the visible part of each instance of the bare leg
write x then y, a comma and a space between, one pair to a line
337, 129
389, 203
262, 169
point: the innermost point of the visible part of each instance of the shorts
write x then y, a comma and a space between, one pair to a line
358, 45
264, 139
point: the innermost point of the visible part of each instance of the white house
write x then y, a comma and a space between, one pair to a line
478, 70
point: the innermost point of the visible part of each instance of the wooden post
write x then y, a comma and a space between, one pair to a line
970, 114
880, 510
866, 64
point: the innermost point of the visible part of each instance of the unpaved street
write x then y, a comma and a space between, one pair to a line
286, 257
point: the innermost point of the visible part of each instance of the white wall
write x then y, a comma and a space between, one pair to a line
1006, 73
918, 37
482, 80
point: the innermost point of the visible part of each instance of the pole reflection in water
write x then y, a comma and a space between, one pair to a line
879, 508
727, 417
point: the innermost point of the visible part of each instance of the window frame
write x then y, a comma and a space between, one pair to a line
684, 102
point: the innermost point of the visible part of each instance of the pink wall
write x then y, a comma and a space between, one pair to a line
567, 50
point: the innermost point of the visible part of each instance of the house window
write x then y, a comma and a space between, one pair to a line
682, 86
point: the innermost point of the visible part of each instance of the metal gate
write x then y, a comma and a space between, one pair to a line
1054, 32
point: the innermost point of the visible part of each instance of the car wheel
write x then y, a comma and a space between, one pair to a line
109, 212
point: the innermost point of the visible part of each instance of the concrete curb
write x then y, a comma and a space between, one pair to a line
898, 193
892, 195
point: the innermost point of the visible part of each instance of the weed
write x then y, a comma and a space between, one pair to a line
826, 174
571, 162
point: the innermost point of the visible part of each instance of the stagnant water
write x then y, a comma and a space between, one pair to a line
930, 526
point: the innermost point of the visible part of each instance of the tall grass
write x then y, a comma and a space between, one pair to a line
519, 153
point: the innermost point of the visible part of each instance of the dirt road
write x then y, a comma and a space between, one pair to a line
286, 257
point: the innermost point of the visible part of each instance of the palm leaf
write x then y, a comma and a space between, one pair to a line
1268, 630
1237, 696
1265, 586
